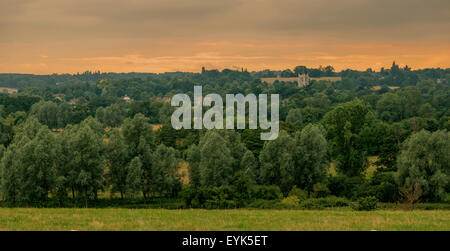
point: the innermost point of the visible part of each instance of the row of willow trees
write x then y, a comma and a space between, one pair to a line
83, 159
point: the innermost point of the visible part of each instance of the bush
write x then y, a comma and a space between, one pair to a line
194, 196
321, 203
380, 176
333, 201
366, 204
311, 204
266, 193
299, 193
343, 186
291, 201
387, 192
320, 190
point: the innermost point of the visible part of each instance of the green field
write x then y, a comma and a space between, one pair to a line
239, 219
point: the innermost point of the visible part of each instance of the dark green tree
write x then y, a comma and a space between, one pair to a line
344, 124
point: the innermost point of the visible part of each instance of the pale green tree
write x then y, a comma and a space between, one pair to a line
311, 160
134, 179
277, 165
424, 160
216, 164
165, 179
116, 160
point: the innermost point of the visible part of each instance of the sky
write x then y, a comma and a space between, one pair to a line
54, 36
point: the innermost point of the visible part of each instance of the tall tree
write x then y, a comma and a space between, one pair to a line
37, 169
193, 156
165, 178
116, 160
424, 160
112, 115
216, 164
134, 177
311, 160
277, 162
344, 124
138, 135
249, 165
28, 166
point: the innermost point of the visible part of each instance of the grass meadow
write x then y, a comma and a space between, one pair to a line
220, 220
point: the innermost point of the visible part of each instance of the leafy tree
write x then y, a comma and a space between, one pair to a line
52, 114
28, 168
165, 178
237, 148
136, 131
193, 156
10, 170
139, 139
79, 158
294, 116
249, 165
134, 177
144, 151
116, 161
424, 161
87, 147
391, 107
277, 162
112, 115
344, 124
311, 156
37, 170
216, 163
426, 111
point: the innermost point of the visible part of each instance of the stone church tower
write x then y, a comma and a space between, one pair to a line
303, 80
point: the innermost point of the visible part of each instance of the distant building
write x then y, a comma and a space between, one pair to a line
303, 80
74, 101
8, 90
127, 99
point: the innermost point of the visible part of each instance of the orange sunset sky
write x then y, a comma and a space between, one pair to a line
50, 36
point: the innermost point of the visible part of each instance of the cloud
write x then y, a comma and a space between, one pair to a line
263, 33
80, 19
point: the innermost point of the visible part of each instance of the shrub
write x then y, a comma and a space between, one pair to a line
366, 204
333, 201
320, 190
299, 193
387, 192
222, 193
410, 196
267, 193
311, 204
380, 176
343, 186
291, 201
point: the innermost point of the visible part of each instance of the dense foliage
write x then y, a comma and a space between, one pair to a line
73, 137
